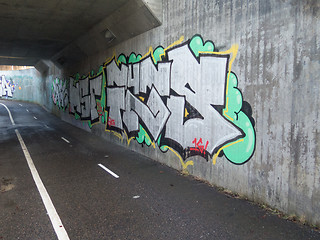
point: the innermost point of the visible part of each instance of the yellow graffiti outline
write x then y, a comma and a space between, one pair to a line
214, 158
227, 109
92, 124
128, 139
172, 45
150, 52
184, 165
108, 60
115, 133
234, 50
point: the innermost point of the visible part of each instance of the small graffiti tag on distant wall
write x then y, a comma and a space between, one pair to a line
6, 87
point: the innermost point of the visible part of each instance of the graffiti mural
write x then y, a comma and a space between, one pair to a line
60, 94
183, 98
6, 87
84, 94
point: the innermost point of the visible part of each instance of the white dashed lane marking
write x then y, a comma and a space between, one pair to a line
66, 140
108, 170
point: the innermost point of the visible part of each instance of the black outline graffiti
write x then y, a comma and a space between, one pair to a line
88, 78
143, 97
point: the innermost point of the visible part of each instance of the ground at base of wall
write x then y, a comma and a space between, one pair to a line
273, 211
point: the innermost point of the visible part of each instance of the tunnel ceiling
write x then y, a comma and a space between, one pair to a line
64, 30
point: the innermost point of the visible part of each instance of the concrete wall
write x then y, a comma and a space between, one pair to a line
25, 85
49, 73
234, 102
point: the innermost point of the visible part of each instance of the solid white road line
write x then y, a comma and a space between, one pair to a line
67, 141
53, 215
13, 123
108, 170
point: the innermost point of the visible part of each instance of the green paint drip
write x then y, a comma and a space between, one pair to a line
143, 137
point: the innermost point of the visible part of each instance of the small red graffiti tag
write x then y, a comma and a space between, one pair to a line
99, 109
111, 122
198, 146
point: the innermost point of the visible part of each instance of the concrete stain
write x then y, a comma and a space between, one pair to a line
6, 184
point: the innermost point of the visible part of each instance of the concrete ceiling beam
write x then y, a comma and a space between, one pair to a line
131, 19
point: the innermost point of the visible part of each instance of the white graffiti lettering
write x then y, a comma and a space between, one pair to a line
203, 85
83, 95
60, 94
177, 99
6, 87
183, 98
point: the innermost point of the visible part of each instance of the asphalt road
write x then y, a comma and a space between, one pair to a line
147, 201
